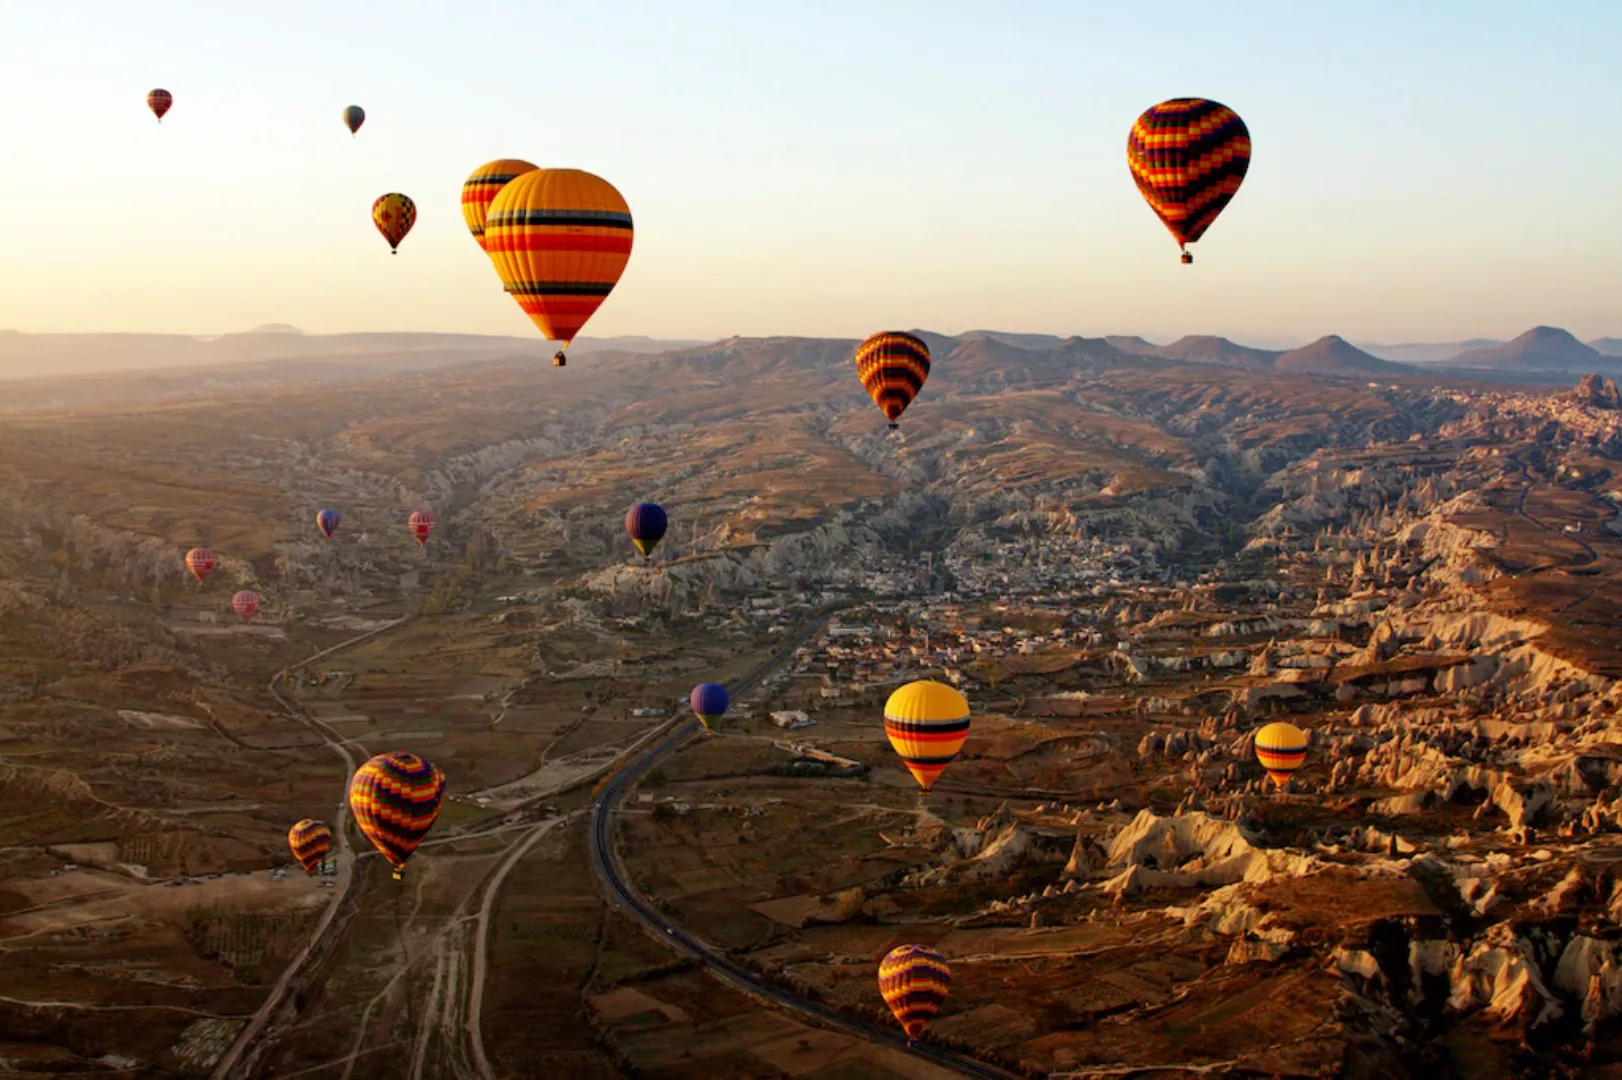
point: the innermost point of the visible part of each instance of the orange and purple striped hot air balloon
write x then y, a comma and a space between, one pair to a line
395, 798
927, 723
201, 562
310, 841
914, 981
1282, 749
1188, 157
892, 366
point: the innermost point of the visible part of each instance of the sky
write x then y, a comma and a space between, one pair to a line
1421, 172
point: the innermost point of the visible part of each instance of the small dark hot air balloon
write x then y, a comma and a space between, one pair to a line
914, 981
201, 562
1188, 157
159, 101
395, 798
328, 521
480, 189
645, 523
559, 239
1282, 749
421, 524
310, 841
394, 214
709, 701
927, 723
892, 366
245, 604
354, 117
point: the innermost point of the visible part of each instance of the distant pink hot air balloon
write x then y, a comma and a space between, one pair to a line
201, 562
245, 604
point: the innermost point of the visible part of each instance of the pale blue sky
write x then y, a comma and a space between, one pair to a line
1422, 171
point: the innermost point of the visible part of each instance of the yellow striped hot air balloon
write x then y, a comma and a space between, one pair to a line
1282, 749
560, 239
927, 723
914, 981
892, 366
395, 798
310, 841
481, 188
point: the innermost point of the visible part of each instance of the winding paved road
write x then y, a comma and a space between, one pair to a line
624, 895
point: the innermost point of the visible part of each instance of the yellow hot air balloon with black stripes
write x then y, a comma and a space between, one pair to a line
892, 366
914, 981
1188, 157
560, 239
927, 723
481, 188
1282, 749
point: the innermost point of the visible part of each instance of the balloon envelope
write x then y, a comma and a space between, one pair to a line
927, 723
394, 214
892, 366
421, 524
159, 101
354, 117
1188, 157
245, 604
559, 239
914, 981
200, 561
481, 188
328, 521
709, 701
310, 841
645, 523
1282, 749
395, 798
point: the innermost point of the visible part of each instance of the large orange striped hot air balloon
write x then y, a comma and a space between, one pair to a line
927, 723
395, 798
200, 561
481, 188
1282, 749
394, 214
892, 366
1188, 157
310, 841
914, 981
560, 239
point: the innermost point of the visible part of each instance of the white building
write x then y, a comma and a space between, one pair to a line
791, 719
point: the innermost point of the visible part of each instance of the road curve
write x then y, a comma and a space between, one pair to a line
624, 895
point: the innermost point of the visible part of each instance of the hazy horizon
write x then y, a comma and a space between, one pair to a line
1413, 177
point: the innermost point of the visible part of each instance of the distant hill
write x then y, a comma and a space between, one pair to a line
1542, 348
1609, 346
1334, 355
1207, 349
1423, 352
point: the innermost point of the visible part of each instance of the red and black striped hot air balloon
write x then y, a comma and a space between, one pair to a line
310, 841
159, 101
245, 604
395, 798
201, 562
892, 366
421, 524
914, 981
1188, 157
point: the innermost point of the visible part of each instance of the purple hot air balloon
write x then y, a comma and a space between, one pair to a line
646, 523
327, 521
709, 701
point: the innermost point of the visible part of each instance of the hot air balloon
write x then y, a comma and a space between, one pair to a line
927, 723
646, 524
395, 798
200, 561
394, 214
914, 981
245, 604
709, 701
560, 239
354, 117
1282, 749
893, 367
421, 523
310, 841
482, 187
1188, 156
328, 521
159, 101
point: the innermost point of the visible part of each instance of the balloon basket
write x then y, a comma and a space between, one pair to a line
398, 875
1187, 258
